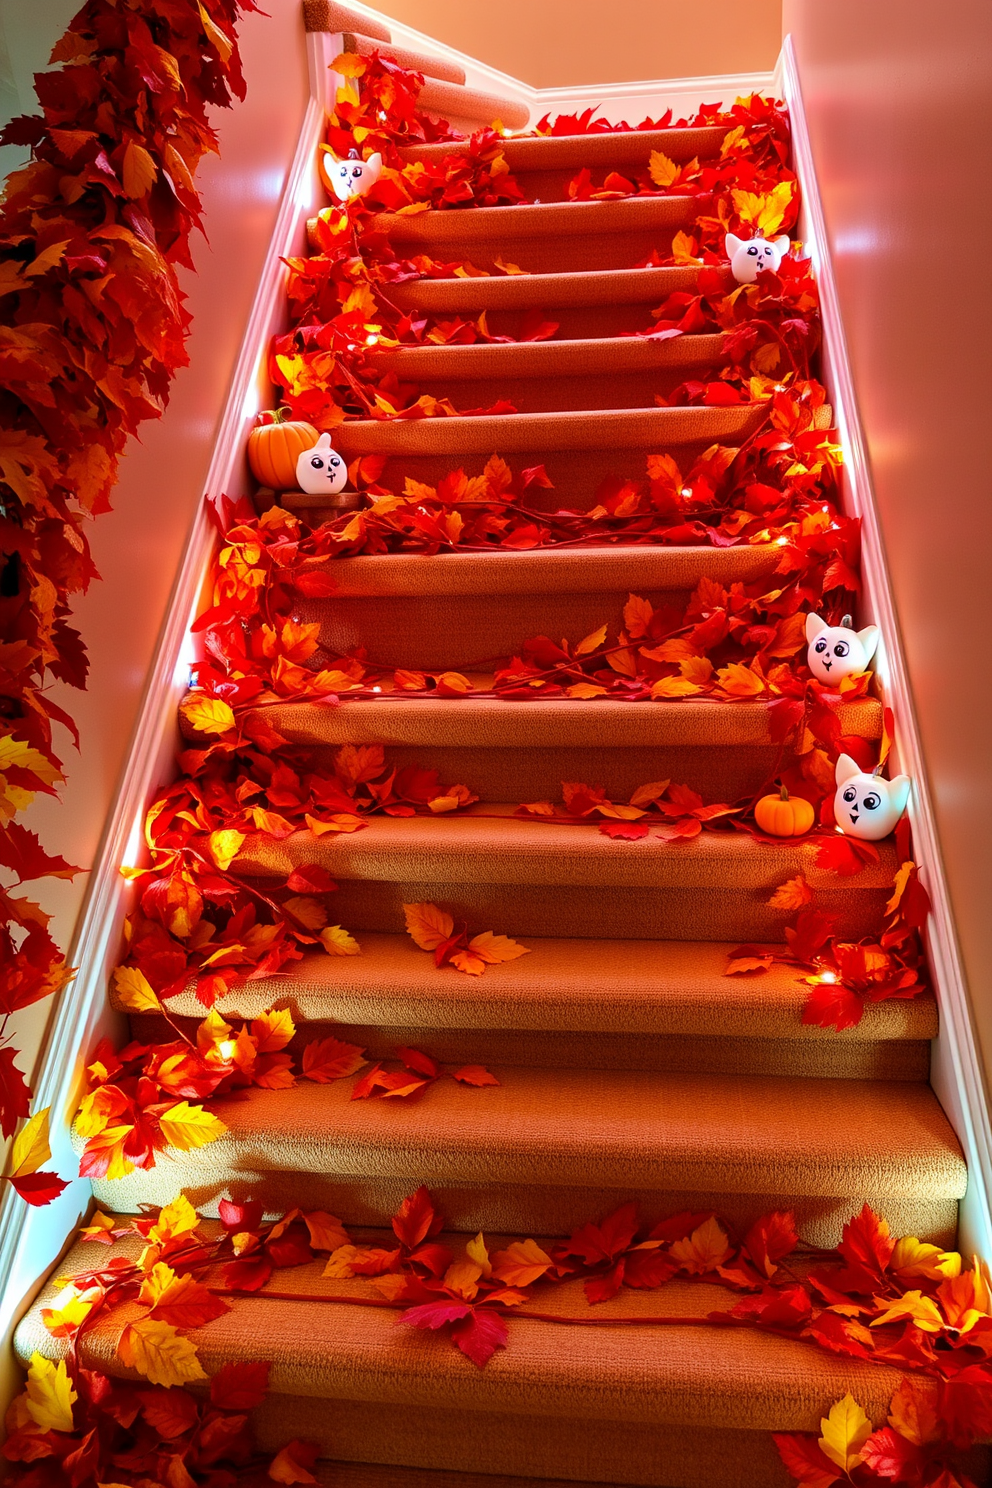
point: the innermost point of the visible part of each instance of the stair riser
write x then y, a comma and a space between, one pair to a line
575, 474
605, 912
559, 254
537, 774
583, 1451
552, 185
807, 1058
462, 631
553, 394
483, 1201
586, 323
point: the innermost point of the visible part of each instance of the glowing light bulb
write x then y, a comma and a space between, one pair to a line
781, 542
827, 976
377, 689
686, 490
371, 340
226, 1050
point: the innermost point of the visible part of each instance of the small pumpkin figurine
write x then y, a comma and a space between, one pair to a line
784, 815
274, 447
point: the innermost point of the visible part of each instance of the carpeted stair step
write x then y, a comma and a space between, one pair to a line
605, 302
506, 750
680, 1405
545, 238
545, 166
522, 876
578, 449
608, 1134
553, 375
560, 1407
661, 1005
328, 15
431, 67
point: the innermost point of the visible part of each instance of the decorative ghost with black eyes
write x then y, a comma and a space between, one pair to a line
320, 471
748, 256
837, 651
351, 177
867, 806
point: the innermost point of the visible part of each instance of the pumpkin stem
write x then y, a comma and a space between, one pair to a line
783, 794
282, 413
847, 622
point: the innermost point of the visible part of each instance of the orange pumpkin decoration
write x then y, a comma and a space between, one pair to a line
274, 448
784, 815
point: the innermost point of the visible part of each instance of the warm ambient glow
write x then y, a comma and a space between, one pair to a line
226, 1050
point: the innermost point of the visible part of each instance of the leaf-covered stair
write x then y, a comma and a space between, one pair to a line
630, 1065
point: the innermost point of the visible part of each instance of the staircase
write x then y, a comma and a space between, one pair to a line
630, 1066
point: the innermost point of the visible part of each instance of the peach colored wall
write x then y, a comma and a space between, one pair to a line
558, 43
899, 116
137, 547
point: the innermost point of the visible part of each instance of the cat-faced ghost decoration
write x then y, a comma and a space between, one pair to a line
836, 651
352, 177
320, 471
867, 806
748, 256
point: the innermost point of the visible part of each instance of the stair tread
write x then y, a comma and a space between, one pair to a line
686, 1376
677, 988
585, 429
488, 844
627, 1129
565, 151
456, 102
538, 219
328, 15
583, 288
435, 67
396, 718
598, 356
585, 570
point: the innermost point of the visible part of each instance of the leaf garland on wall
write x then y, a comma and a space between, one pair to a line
92, 231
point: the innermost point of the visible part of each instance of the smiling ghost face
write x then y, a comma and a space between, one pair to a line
867, 806
837, 651
352, 177
320, 471
748, 256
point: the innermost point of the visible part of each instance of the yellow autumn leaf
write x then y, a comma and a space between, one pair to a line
705, 1249
18, 752
186, 1127
674, 687
585, 690
272, 1030
338, 942
676, 648
913, 1257
218, 40
50, 1396
923, 1311
159, 1352
175, 1219
685, 249
663, 171
427, 925
73, 1309
899, 886
48, 258
764, 213
477, 1251
31, 1146
349, 65
845, 1431
591, 642
521, 1263
224, 846
134, 992
207, 715
340, 822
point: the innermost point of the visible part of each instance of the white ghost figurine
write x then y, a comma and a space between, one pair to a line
320, 471
748, 256
836, 651
351, 177
867, 806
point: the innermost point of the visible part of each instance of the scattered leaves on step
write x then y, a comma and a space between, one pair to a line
418, 1072
433, 929
795, 893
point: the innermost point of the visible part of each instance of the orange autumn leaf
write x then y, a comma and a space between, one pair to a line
738, 680
326, 1232
494, 949
427, 925
697, 669
293, 1463
674, 687
705, 1249
793, 894
521, 1263
637, 616
591, 642
328, 1059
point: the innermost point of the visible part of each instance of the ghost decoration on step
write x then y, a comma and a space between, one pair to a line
748, 256
867, 806
320, 471
352, 177
837, 651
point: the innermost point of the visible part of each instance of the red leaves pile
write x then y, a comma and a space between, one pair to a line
91, 233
